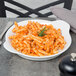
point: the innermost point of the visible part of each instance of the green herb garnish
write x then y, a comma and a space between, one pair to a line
42, 32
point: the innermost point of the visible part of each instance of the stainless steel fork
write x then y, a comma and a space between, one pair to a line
2, 34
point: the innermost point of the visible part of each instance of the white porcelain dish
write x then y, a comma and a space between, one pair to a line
65, 27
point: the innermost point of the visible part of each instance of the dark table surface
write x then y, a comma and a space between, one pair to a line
13, 65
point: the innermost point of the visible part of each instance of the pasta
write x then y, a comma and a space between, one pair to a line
37, 39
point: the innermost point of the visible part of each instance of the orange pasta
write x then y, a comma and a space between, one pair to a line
37, 39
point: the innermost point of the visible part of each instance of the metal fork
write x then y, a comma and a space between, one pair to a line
2, 34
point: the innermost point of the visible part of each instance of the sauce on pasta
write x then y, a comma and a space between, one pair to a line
37, 39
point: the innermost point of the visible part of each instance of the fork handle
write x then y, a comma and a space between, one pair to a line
7, 26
